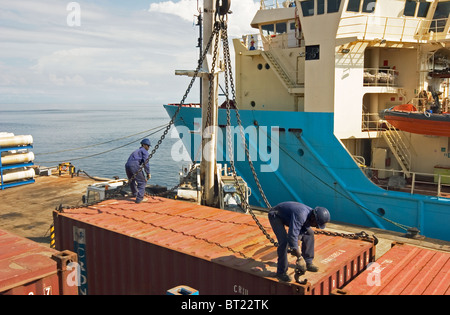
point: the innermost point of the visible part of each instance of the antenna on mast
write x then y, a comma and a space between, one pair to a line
200, 44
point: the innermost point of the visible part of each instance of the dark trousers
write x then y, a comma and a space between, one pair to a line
137, 185
282, 238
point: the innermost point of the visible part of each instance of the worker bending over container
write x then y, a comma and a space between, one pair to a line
299, 218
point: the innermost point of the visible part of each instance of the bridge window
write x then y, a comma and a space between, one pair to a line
333, 6
320, 6
423, 9
268, 29
440, 17
410, 8
353, 5
272, 29
280, 28
442, 10
308, 7
368, 6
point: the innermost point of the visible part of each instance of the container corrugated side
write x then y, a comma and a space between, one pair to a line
149, 248
29, 268
404, 270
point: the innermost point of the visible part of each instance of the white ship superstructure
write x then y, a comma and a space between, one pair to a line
321, 71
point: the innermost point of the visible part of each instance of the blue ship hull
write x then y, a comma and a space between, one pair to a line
314, 168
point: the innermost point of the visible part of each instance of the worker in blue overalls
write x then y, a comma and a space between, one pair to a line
299, 218
136, 165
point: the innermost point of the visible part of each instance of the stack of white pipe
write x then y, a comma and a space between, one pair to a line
18, 158
12, 141
6, 135
10, 177
8, 139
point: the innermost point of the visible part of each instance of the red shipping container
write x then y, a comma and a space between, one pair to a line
29, 268
149, 248
404, 270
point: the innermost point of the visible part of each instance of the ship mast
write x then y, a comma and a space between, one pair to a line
209, 103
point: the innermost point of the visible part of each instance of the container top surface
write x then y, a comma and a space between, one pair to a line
403, 270
22, 261
225, 237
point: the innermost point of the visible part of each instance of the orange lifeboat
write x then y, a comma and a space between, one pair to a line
406, 118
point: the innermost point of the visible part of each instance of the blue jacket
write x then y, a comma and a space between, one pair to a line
295, 216
137, 158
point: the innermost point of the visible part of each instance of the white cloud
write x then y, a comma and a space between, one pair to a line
75, 80
68, 60
25, 12
186, 9
117, 52
123, 82
9, 78
239, 20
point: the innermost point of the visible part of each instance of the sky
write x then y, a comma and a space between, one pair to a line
103, 51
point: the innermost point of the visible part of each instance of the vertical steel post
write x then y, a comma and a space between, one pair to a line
209, 137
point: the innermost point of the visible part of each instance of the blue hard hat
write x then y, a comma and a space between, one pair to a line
322, 216
147, 142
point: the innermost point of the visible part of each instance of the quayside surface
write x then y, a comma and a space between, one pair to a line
27, 210
149, 248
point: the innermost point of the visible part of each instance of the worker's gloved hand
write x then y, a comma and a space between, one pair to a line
149, 176
295, 252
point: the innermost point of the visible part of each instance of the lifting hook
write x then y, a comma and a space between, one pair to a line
223, 7
300, 270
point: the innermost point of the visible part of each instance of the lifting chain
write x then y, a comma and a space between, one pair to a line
229, 77
220, 31
354, 236
215, 33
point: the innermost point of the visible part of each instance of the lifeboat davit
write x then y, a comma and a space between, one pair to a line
406, 118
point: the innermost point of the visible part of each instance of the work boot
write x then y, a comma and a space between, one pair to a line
312, 268
143, 200
284, 277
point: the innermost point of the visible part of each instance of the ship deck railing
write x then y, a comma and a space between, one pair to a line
403, 29
419, 183
252, 41
275, 4
372, 122
380, 77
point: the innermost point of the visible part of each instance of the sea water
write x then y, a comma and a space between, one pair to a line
97, 139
